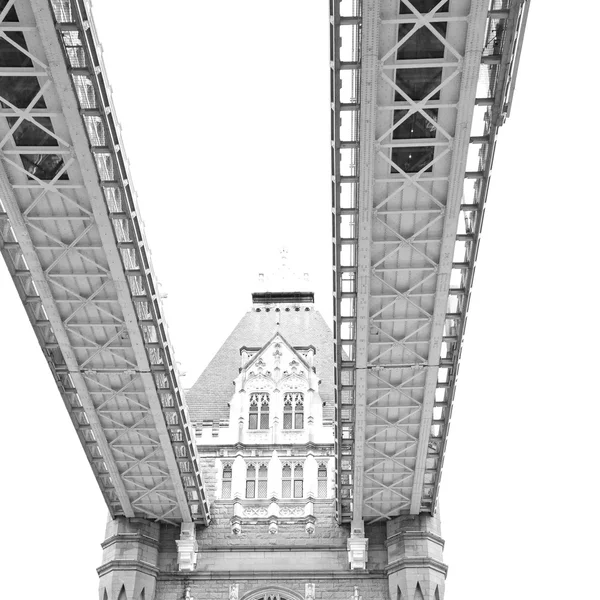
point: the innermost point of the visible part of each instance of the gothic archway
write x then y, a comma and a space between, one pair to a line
272, 593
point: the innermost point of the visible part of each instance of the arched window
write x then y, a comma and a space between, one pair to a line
322, 481
293, 411
259, 411
278, 593
256, 481
227, 478
292, 481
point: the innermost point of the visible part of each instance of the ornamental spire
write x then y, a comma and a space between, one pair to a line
284, 278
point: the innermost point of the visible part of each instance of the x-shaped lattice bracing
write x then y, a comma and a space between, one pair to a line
121, 392
25, 115
127, 429
89, 301
67, 247
389, 425
423, 20
106, 347
403, 243
391, 388
404, 296
396, 343
67, 321
424, 169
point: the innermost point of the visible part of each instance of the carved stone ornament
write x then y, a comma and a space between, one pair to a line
187, 547
291, 511
293, 382
256, 511
273, 527
260, 368
295, 369
236, 526
309, 591
188, 593
277, 354
234, 590
259, 382
357, 552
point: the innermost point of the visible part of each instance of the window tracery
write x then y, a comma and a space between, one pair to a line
259, 411
322, 481
275, 593
292, 480
293, 410
256, 480
227, 478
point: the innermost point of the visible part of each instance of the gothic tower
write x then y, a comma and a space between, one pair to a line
264, 413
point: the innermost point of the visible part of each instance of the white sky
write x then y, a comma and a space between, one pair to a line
225, 113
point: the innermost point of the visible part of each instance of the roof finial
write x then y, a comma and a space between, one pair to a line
283, 253
284, 278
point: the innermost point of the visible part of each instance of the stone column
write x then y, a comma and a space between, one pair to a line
310, 476
129, 560
274, 476
238, 478
415, 568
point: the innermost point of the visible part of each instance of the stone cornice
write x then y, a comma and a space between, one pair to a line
130, 537
128, 565
415, 535
264, 549
255, 575
217, 448
417, 562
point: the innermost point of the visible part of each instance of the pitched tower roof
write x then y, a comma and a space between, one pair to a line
292, 314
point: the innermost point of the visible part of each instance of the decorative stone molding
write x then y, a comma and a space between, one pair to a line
236, 526
187, 547
357, 551
309, 591
259, 512
273, 514
234, 590
291, 512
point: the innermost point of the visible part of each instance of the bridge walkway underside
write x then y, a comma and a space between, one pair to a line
419, 89
71, 236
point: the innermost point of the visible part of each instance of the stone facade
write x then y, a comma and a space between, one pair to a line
267, 457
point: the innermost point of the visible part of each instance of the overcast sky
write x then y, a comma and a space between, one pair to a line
225, 116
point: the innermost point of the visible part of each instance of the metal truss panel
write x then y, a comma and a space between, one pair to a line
71, 237
427, 86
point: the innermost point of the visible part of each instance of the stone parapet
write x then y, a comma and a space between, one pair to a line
252, 586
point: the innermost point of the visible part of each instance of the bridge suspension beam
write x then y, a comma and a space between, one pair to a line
419, 90
72, 238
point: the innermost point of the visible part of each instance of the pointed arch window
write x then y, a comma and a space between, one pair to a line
226, 481
256, 481
259, 411
293, 410
292, 481
322, 481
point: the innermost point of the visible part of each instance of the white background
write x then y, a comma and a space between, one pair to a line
225, 114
